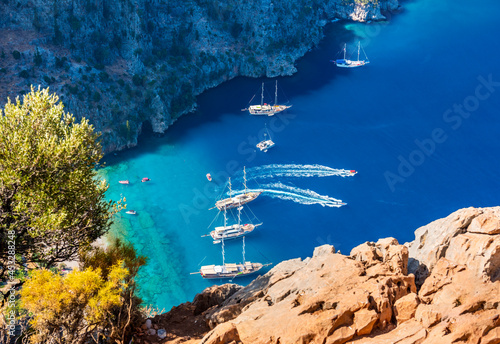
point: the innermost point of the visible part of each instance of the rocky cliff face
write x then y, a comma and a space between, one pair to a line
369, 296
121, 63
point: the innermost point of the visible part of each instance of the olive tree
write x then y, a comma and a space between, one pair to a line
52, 203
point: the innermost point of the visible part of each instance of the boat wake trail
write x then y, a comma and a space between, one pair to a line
291, 193
295, 170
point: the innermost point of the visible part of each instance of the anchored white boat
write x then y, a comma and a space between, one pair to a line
230, 270
234, 231
238, 200
267, 109
346, 63
265, 144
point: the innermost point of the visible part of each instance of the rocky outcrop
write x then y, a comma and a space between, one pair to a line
468, 236
121, 63
369, 296
186, 322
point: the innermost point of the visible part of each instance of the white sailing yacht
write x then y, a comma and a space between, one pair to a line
267, 109
230, 270
346, 63
234, 231
238, 200
265, 144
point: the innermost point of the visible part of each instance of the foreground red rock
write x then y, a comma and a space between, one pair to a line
370, 296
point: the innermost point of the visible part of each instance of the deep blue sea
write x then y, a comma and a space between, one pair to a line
421, 124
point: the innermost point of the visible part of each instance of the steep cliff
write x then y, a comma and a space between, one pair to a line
121, 62
369, 296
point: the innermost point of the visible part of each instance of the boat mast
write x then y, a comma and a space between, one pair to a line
223, 256
359, 45
243, 250
345, 45
225, 224
245, 179
239, 215
276, 94
262, 95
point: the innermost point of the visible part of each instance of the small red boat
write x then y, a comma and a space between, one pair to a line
353, 171
209, 177
123, 182
145, 179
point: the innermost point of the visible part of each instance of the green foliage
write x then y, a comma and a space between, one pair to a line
2, 54
74, 23
90, 6
73, 89
16, 54
61, 61
24, 74
48, 79
103, 76
101, 53
96, 97
137, 51
37, 58
117, 41
58, 38
183, 100
236, 29
138, 80
49, 192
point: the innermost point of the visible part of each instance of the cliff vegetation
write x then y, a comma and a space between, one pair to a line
52, 210
122, 62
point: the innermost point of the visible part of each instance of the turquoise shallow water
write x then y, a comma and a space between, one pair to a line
420, 124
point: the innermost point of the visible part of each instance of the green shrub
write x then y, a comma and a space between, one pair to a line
103, 76
24, 74
96, 97
138, 80
37, 58
73, 89
60, 61
16, 54
74, 22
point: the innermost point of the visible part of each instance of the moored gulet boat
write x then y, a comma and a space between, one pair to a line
267, 109
346, 63
230, 270
234, 231
238, 200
